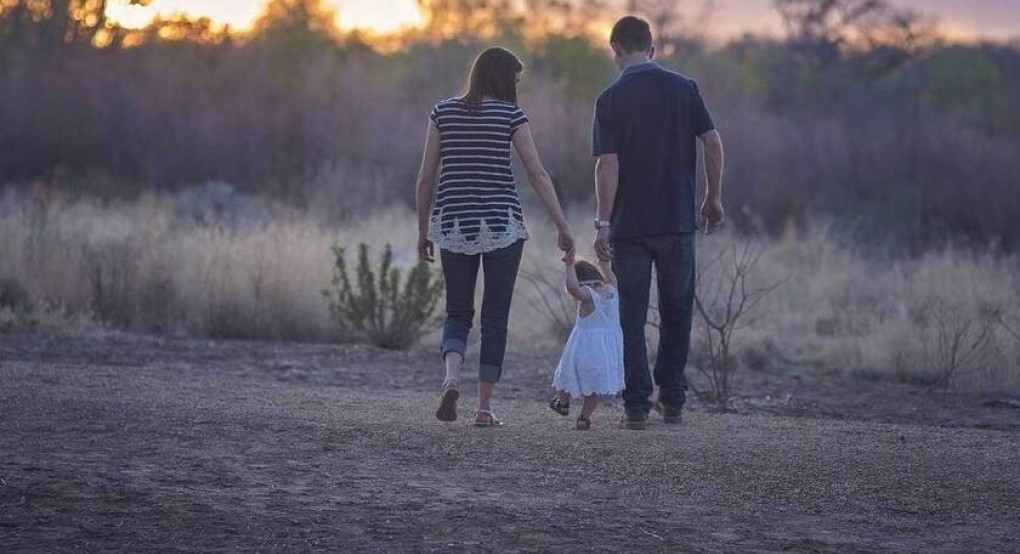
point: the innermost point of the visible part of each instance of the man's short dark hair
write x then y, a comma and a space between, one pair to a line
632, 34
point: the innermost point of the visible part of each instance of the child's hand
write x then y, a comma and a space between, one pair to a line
568, 258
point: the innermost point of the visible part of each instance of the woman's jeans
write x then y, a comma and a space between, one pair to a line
673, 258
460, 272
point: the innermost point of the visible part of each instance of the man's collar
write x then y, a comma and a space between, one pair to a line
640, 68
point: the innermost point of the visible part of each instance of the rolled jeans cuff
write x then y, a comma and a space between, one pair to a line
454, 345
489, 373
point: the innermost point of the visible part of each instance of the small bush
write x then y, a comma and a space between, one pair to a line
379, 310
957, 342
726, 301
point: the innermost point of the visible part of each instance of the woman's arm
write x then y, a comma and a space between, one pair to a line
423, 191
539, 178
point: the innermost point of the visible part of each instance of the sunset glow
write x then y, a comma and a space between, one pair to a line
239, 14
376, 16
372, 15
997, 19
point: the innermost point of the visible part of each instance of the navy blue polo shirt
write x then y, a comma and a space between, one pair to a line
651, 119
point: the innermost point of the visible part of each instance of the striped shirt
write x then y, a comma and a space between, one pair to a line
477, 209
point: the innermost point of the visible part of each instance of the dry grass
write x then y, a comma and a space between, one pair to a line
146, 266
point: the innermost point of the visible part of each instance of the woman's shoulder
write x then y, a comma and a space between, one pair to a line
508, 108
454, 102
457, 103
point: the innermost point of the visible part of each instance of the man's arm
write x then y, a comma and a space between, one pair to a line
712, 213
607, 181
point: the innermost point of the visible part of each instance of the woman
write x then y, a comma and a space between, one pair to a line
476, 219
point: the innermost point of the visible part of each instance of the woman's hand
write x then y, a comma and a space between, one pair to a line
565, 242
426, 250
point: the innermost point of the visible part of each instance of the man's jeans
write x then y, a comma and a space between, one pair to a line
460, 271
673, 256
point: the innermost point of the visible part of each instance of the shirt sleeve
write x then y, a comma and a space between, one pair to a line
603, 139
517, 119
702, 119
434, 115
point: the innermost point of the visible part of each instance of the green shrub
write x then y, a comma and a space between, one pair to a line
379, 310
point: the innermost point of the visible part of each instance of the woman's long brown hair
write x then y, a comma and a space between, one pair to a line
493, 75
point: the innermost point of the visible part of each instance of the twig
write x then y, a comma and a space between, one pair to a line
651, 534
1008, 328
550, 303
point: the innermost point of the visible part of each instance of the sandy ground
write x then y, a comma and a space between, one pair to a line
125, 443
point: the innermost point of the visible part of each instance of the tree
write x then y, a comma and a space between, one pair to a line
50, 24
672, 19
566, 18
455, 19
297, 26
880, 36
826, 21
179, 27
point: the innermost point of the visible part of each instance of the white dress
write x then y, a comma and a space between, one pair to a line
592, 361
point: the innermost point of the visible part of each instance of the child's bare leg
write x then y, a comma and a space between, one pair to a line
564, 396
588, 405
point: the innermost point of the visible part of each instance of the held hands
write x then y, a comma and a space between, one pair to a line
565, 242
712, 214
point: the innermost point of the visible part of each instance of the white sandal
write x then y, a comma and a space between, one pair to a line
491, 422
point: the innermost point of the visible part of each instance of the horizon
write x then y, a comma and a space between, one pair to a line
957, 19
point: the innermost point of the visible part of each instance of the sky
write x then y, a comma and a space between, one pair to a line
996, 19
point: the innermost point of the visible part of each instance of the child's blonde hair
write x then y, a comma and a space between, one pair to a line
588, 273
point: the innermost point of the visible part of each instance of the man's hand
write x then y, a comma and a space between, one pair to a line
712, 215
603, 244
426, 250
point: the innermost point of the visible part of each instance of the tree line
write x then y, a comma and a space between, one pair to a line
860, 113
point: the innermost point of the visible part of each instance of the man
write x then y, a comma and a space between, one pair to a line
645, 136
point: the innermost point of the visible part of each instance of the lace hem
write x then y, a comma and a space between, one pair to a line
486, 240
582, 392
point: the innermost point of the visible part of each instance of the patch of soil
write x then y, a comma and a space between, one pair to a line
129, 443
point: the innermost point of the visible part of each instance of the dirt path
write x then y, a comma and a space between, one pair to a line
137, 444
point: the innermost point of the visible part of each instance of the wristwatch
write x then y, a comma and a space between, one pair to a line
601, 223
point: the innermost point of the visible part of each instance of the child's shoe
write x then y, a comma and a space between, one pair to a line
559, 406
